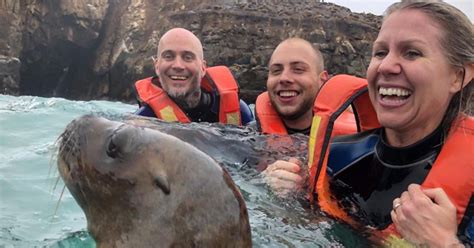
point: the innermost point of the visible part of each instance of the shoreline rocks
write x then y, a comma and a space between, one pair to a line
97, 49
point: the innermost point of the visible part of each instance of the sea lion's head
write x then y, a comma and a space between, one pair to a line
140, 187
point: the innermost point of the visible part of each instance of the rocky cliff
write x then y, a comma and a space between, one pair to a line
96, 49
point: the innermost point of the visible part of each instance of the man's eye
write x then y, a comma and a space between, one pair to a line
275, 71
299, 70
167, 56
188, 57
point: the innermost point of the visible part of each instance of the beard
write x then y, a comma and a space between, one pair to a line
294, 115
186, 99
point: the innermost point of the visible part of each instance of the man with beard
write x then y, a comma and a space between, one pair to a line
185, 90
295, 74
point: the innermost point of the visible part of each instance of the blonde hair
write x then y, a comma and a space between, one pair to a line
457, 40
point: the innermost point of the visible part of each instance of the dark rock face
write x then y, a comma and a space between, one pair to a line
9, 75
96, 49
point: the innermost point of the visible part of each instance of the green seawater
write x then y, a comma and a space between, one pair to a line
37, 211
31, 212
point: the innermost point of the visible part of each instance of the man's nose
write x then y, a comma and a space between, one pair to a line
286, 76
178, 63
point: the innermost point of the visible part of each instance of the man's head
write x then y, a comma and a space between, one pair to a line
180, 65
296, 71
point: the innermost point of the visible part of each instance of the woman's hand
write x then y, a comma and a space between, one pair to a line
284, 177
426, 216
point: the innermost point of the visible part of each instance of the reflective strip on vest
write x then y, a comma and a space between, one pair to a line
167, 114
233, 118
334, 97
313, 138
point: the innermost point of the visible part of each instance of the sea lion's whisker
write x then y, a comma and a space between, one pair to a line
58, 179
59, 201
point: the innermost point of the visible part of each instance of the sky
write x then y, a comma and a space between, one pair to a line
377, 7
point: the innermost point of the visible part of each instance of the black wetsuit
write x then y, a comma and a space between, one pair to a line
370, 173
305, 131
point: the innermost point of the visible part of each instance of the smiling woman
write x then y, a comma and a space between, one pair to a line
420, 83
414, 175
410, 79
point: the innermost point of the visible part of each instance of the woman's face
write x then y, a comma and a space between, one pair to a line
410, 79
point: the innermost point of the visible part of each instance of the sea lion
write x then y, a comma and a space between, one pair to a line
140, 187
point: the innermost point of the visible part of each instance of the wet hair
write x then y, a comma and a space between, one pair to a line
457, 41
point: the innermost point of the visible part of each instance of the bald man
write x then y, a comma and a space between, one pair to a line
185, 90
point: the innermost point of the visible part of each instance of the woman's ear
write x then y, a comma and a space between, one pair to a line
468, 74
464, 76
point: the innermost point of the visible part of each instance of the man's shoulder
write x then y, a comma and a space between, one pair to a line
246, 112
145, 110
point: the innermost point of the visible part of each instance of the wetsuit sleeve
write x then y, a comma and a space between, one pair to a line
245, 113
466, 228
145, 111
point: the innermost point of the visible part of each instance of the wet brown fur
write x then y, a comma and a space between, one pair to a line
149, 189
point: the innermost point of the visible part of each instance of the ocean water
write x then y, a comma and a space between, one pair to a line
30, 188
37, 211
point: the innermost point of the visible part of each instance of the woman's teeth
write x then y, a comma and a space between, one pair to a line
394, 92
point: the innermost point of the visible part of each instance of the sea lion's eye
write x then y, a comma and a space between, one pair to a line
112, 149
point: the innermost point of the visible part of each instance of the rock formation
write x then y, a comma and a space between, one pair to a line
96, 49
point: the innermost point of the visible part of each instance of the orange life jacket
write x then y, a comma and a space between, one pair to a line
271, 123
451, 171
218, 77
267, 118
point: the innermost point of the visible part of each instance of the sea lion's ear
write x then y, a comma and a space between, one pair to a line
161, 181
